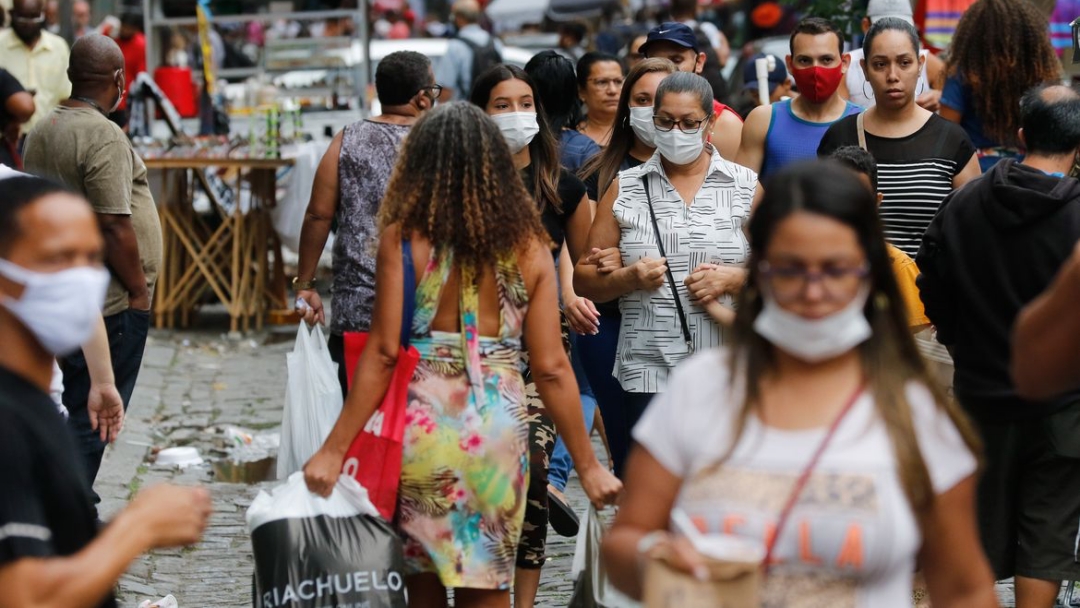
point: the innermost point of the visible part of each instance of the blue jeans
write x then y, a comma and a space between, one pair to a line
598, 359
561, 462
127, 333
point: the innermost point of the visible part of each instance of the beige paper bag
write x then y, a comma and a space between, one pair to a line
731, 585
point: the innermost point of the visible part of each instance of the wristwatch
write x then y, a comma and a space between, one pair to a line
299, 285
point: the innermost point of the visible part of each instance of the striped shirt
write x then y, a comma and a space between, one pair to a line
709, 230
915, 173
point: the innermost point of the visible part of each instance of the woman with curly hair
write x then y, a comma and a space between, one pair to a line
984, 85
512, 99
486, 286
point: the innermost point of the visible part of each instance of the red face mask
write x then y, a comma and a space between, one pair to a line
816, 83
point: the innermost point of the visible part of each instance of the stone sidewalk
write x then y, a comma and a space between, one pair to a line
194, 385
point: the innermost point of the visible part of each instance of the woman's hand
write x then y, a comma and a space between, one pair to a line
606, 261
679, 553
647, 274
322, 471
600, 485
710, 281
582, 315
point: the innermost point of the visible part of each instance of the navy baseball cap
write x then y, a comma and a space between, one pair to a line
670, 31
776, 77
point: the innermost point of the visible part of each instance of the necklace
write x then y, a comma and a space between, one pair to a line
93, 103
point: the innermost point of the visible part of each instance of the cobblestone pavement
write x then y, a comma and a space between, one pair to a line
193, 385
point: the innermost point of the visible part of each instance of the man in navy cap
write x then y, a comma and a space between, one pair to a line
778, 82
678, 43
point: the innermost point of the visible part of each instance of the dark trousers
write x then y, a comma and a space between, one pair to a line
127, 333
336, 345
598, 359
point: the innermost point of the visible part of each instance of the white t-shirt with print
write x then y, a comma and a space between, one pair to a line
852, 538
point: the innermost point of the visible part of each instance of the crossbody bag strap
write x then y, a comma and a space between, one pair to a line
804, 477
859, 121
409, 306
670, 277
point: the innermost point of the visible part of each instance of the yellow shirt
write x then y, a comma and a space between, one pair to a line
42, 68
906, 272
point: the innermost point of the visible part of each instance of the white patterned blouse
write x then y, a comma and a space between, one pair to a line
709, 230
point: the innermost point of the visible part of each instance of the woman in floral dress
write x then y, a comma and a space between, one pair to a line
487, 282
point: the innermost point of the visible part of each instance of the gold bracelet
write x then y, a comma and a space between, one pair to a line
299, 285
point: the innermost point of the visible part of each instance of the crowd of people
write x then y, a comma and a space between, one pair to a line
600, 244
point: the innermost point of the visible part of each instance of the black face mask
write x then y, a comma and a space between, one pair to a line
28, 33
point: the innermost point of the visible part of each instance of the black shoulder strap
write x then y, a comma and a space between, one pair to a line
670, 277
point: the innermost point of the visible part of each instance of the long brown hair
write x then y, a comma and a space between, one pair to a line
455, 184
890, 358
606, 164
544, 149
1022, 57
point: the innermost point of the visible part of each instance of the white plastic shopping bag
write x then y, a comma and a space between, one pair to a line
591, 586
313, 552
312, 400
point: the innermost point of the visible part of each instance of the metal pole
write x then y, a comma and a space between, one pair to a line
67, 29
365, 74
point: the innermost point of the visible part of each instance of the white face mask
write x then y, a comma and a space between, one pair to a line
814, 340
642, 124
678, 147
59, 308
519, 128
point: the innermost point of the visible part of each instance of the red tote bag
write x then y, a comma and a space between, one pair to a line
374, 458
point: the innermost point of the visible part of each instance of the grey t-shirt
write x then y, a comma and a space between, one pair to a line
83, 149
368, 152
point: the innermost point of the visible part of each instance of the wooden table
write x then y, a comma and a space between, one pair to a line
230, 259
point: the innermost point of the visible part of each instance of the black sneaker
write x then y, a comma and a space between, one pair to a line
563, 519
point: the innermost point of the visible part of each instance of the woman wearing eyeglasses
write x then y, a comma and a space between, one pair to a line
676, 222
600, 81
816, 435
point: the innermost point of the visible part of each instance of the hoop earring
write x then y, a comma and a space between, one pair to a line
917, 91
869, 95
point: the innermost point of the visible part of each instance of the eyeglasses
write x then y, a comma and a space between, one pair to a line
788, 283
686, 125
436, 89
603, 83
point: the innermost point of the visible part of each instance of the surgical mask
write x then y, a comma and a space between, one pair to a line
59, 308
642, 124
678, 147
519, 128
814, 340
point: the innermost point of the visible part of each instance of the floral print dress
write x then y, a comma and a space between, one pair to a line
465, 465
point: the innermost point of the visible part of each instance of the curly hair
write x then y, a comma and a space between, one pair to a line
455, 185
1022, 57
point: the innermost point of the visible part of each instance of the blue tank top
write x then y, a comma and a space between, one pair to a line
791, 138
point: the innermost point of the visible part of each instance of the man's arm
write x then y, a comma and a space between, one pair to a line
752, 148
1046, 342
107, 181
321, 210
934, 282
122, 256
727, 134
161, 516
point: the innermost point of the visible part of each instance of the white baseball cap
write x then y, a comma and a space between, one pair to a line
900, 9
